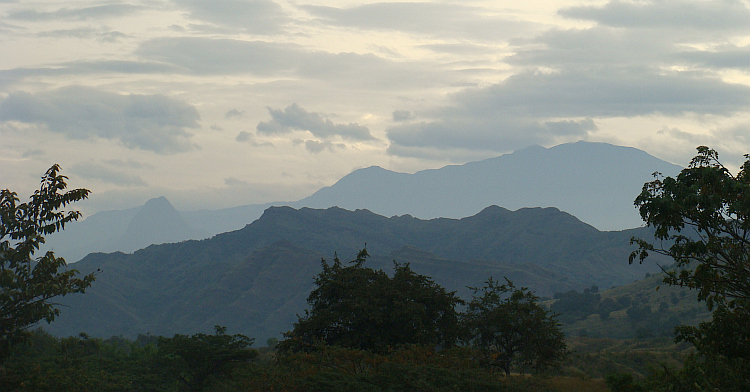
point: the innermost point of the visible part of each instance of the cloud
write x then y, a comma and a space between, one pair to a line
479, 134
433, 19
32, 153
84, 32
295, 118
702, 15
147, 122
233, 113
95, 12
535, 107
96, 172
208, 56
604, 92
401, 115
720, 58
129, 163
590, 48
253, 16
247, 137
233, 181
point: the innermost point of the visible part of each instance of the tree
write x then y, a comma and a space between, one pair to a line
361, 308
509, 326
195, 361
29, 284
702, 216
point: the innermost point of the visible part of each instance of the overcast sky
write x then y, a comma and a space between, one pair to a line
230, 102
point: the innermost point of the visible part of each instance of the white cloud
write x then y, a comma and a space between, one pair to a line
148, 122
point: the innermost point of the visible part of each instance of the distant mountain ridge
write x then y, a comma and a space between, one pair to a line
256, 279
595, 182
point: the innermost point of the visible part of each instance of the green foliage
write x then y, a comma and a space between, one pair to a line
195, 361
511, 328
704, 213
623, 382
44, 363
361, 308
28, 284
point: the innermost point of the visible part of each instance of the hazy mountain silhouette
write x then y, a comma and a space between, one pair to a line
155, 222
596, 182
255, 280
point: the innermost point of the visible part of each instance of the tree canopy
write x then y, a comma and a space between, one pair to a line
29, 284
359, 307
702, 216
512, 329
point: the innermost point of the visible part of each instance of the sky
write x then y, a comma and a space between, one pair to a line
222, 103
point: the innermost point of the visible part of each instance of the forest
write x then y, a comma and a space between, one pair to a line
365, 329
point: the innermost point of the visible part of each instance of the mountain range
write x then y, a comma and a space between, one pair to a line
255, 280
596, 182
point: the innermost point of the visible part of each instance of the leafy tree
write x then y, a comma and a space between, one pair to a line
29, 284
195, 361
361, 308
510, 327
703, 215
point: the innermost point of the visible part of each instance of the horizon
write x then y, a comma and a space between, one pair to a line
234, 102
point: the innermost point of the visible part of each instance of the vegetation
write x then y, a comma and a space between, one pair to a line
28, 284
511, 329
703, 214
361, 308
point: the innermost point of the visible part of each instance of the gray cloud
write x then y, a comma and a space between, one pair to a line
590, 48
480, 134
604, 92
86, 68
104, 174
32, 153
723, 57
233, 113
247, 137
85, 32
223, 56
206, 56
401, 115
128, 163
433, 19
545, 107
148, 122
95, 12
254, 16
296, 118
702, 15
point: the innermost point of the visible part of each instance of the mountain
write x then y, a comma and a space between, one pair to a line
255, 280
156, 222
595, 182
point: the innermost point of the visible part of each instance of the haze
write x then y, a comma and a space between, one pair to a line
224, 103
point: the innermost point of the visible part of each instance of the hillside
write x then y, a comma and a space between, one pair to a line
255, 280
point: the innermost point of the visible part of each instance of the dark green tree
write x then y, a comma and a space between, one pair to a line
702, 217
361, 308
196, 361
509, 326
29, 284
